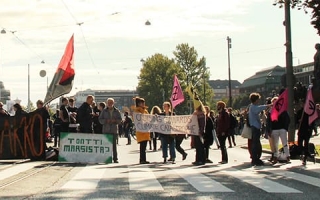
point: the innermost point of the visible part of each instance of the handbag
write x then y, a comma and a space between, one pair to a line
246, 132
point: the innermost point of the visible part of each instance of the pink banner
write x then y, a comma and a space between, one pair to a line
310, 107
280, 105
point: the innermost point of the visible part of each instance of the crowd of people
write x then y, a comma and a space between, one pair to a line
218, 128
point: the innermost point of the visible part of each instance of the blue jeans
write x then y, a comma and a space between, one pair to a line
256, 147
165, 140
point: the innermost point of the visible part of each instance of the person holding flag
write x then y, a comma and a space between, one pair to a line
307, 115
177, 97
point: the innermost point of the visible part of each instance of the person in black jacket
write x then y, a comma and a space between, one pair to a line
208, 136
84, 115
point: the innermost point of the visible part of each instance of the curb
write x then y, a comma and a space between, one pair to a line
269, 152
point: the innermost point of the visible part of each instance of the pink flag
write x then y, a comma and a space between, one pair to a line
310, 106
177, 94
280, 105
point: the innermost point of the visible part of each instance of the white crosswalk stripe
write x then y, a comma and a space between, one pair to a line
143, 179
201, 182
202, 179
87, 179
259, 181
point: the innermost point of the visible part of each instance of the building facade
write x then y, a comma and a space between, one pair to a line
267, 82
123, 98
221, 89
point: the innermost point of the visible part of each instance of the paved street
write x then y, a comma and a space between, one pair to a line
130, 180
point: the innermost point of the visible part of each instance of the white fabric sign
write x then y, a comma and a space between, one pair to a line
174, 124
85, 147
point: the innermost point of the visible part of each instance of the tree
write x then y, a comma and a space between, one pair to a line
313, 5
156, 79
195, 71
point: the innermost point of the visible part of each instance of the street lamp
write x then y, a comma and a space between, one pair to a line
229, 71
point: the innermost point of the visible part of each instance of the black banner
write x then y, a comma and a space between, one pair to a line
23, 136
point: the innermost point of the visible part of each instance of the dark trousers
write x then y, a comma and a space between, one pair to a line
200, 155
303, 142
128, 135
224, 154
143, 146
231, 137
206, 151
256, 147
178, 145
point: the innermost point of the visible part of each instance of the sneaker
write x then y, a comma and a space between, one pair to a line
208, 161
170, 159
223, 162
116, 161
184, 156
164, 161
173, 161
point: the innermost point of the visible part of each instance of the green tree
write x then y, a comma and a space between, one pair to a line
156, 79
313, 5
195, 71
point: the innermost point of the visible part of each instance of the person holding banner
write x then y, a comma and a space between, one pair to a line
167, 139
142, 137
110, 118
155, 111
208, 136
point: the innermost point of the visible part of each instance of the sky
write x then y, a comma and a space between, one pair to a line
111, 38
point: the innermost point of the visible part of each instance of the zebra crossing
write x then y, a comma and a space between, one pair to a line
147, 178
142, 178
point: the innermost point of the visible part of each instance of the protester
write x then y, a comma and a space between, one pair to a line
255, 124
127, 126
64, 115
167, 139
97, 126
279, 129
155, 111
110, 117
208, 135
223, 126
142, 137
84, 115
214, 133
233, 125
3, 112
72, 109
198, 139
304, 134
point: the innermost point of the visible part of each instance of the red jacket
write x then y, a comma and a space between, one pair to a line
223, 123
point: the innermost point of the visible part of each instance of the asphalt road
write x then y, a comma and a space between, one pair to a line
130, 180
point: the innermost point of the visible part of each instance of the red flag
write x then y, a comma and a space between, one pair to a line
63, 78
177, 94
280, 105
310, 107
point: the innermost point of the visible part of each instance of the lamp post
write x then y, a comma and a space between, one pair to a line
2, 32
289, 69
229, 71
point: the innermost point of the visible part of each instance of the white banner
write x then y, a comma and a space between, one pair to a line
176, 124
85, 148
